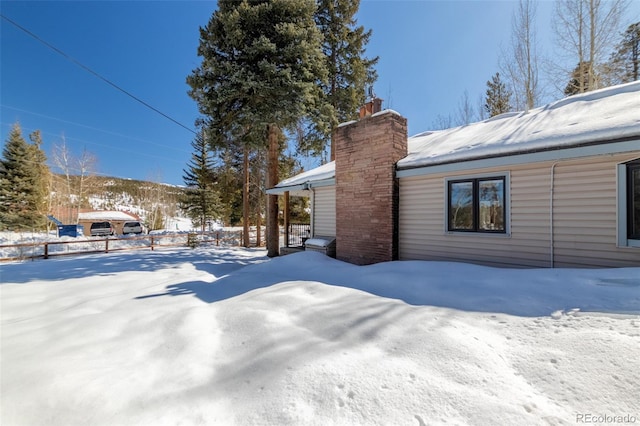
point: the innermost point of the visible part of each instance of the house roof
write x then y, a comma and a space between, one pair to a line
596, 117
105, 215
319, 174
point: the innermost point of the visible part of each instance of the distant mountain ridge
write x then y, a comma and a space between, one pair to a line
151, 201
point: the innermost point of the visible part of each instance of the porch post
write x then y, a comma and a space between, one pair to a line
286, 218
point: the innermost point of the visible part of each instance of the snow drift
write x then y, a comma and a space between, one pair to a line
195, 337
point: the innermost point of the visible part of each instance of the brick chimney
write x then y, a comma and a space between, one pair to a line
366, 187
371, 107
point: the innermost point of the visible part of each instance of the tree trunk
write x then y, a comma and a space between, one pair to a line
258, 201
334, 62
286, 219
332, 152
592, 46
245, 198
258, 228
580, 37
273, 234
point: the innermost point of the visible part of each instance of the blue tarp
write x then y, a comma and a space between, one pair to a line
70, 230
67, 230
54, 220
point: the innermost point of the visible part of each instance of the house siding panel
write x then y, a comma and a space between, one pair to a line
585, 213
583, 237
324, 209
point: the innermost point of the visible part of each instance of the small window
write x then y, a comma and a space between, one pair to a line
477, 205
629, 204
633, 200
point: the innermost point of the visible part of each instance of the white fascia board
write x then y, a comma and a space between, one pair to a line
535, 157
321, 183
280, 190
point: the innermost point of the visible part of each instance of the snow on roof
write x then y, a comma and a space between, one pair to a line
105, 215
598, 116
326, 171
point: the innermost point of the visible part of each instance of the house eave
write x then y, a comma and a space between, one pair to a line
614, 146
301, 189
321, 183
280, 190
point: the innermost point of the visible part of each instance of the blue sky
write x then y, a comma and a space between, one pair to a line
430, 52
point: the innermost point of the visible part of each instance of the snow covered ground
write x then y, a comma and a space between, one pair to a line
25, 245
225, 336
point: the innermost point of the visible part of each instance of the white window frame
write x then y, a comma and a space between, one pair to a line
622, 197
507, 204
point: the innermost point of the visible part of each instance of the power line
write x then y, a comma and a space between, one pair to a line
93, 173
110, 147
52, 166
86, 68
90, 127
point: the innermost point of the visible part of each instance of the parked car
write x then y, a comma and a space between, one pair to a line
132, 228
102, 229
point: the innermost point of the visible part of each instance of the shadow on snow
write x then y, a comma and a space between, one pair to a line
216, 262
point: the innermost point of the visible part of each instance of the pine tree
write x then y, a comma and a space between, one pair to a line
200, 201
228, 173
261, 65
21, 183
580, 80
498, 97
625, 61
42, 177
344, 49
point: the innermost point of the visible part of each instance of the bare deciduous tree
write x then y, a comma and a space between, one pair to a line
465, 113
585, 31
62, 159
519, 62
442, 122
154, 200
86, 167
77, 173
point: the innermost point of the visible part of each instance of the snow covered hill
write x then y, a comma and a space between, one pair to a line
153, 202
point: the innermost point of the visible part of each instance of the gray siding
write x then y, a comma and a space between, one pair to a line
324, 211
584, 218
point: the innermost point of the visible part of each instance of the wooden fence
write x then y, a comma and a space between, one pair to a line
47, 249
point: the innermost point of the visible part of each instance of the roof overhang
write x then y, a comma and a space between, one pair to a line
301, 190
556, 154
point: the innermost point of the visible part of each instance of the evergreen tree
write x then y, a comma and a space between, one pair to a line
498, 97
228, 172
42, 177
580, 80
349, 71
625, 61
21, 184
261, 64
200, 201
